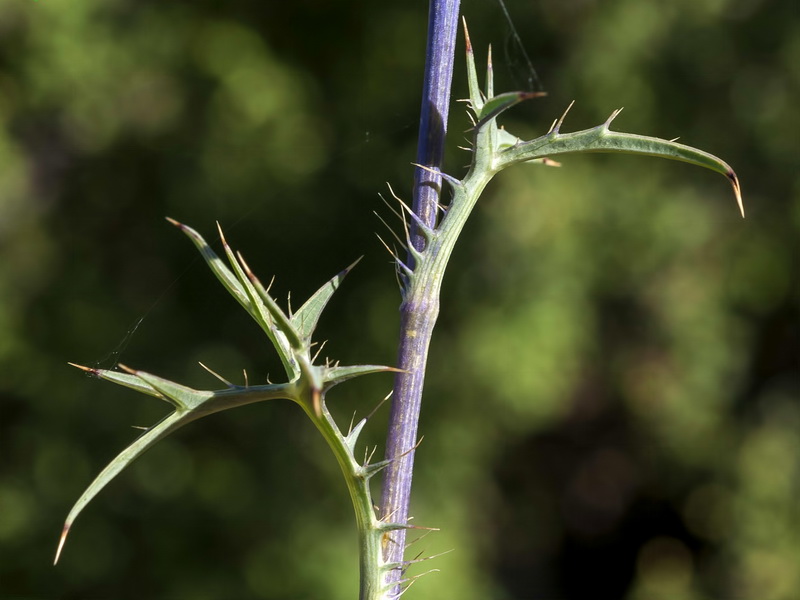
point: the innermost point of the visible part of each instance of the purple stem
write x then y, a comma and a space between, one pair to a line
420, 310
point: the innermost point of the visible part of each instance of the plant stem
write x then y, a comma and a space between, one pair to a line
369, 535
420, 306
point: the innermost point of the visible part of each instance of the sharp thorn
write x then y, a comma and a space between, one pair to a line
396, 237
371, 454
419, 538
61, 541
385, 245
736, 190
381, 403
350, 427
248, 271
316, 354
466, 36
217, 375
395, 212
613, 116
555, 129
221, 235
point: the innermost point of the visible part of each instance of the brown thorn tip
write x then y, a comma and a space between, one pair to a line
221, 235
736, 190
127, 369
245, 266
61, 541
466, 35
174, 222
82, 368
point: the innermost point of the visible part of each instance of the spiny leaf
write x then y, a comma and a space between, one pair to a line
284, 324
260, 311
184, 398
602, 139
170, 423
306, 318
494, 106
130, 381
190, 405
475, 96
240, 287
223, 273
336, 375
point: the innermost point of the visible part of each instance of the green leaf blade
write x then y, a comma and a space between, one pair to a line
216, 264
307, 316
602, 139
190, 405
499, 104
284, 324
182, 397
475, 96
337, 375
143, 443
124, 379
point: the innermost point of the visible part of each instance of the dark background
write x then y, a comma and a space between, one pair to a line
613, 403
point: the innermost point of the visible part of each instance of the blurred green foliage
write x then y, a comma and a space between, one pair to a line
614, 399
